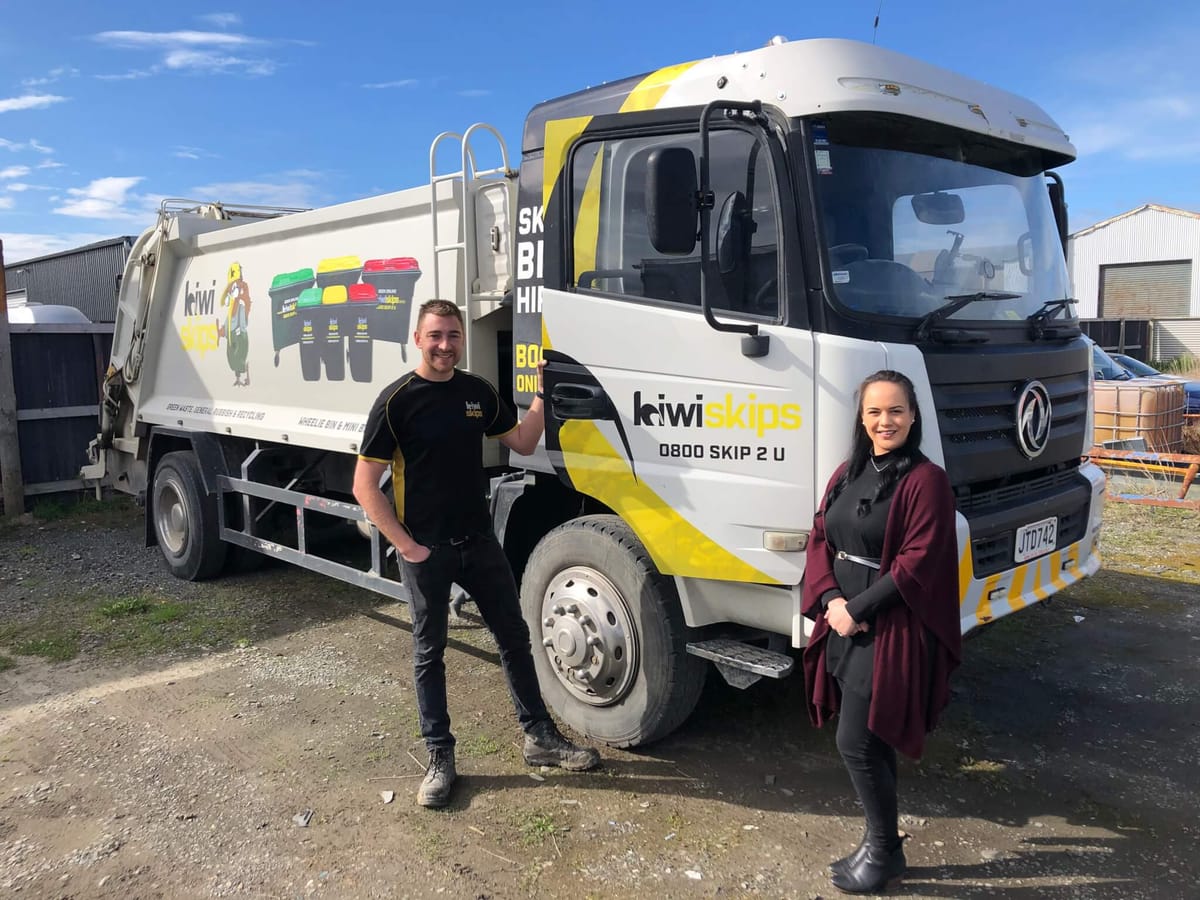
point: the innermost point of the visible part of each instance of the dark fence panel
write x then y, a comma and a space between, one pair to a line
1129, 336
57, 372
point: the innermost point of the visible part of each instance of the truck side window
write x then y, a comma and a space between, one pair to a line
612, 249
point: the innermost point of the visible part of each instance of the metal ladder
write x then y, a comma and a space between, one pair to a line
474, 182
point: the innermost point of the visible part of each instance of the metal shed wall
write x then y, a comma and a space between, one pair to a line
85, 278
1146, 235
1176, 337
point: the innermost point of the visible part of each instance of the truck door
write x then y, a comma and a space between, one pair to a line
705, 451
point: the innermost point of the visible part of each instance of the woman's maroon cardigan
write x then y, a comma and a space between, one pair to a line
911, 682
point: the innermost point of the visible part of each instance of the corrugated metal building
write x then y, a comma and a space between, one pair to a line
86, 278
1138, 265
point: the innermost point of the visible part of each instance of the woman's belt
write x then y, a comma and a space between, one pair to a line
861, 560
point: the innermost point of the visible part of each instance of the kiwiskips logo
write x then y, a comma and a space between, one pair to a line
728, 412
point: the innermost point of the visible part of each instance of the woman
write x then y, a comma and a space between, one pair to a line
881, 585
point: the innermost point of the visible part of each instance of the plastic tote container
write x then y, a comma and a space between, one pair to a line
1141, 408
329, 333
285, 320
308, 308
394, 281
362, 301
335, 270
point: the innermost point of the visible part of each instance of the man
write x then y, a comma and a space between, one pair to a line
428, 426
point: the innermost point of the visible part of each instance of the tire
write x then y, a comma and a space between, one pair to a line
617, 668
185, 519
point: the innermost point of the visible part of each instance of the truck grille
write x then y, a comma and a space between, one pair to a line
997, 488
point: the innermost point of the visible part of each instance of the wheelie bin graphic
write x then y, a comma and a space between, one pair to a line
308, 309
394, 281
329, 331
335, 274
363, 300
285, 312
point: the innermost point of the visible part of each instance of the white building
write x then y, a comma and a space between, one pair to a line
1141, 265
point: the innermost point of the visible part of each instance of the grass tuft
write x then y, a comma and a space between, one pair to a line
6, 663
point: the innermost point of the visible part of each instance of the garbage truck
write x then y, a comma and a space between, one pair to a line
709, 258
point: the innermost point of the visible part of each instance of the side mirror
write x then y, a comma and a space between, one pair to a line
671, 213
1025, 253
938, 208
731, 232
1058, 203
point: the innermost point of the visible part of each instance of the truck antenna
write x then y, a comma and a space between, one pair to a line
875, 28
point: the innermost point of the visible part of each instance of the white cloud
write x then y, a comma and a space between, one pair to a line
6, 202
31, 144
51, 77
264, 193
104, 198
14, 172
20, 247
214, 61
18, 187
131, 75
196, 51
474, 92
1122, 101
193, 153
382, 85
222, 20
50, 164
29, 101
174, 39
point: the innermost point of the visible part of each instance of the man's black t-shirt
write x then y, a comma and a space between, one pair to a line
431, 433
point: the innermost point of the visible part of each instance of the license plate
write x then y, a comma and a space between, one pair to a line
1036, 539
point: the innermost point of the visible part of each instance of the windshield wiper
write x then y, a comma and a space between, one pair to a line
957, 302
1039, 320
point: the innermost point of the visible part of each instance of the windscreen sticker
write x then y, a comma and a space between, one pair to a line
841, 276
824, 166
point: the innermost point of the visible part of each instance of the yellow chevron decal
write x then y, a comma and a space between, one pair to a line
651, 88
983, 612
676, 546
560, 134
1016, 589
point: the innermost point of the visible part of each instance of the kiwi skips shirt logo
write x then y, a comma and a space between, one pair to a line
727, 412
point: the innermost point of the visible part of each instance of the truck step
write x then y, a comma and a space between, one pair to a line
742, 664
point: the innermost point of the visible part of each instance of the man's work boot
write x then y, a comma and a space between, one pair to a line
434, 792
545, 746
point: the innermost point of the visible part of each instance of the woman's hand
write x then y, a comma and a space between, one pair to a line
841, 621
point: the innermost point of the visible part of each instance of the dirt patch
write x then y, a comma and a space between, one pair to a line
174, 765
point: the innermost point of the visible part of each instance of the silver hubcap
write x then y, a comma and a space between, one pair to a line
170, 514
588, 636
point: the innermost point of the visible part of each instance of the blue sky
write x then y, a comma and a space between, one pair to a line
107, 108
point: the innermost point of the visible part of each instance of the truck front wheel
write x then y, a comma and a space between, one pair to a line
608, 633
185, 519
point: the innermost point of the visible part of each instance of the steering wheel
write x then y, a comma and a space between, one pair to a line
842, 255
767, 289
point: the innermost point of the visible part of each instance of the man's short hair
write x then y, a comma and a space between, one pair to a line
439, 308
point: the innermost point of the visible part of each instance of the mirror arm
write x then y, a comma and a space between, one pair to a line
754, 345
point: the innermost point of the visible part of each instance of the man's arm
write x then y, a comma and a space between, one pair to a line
381, 512
524, 438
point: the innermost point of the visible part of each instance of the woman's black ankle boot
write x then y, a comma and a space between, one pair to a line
873, 872
852, 859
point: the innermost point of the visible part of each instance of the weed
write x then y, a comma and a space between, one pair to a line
379, 754
57, 648
478, 745
127, 606
536, 827
6, 663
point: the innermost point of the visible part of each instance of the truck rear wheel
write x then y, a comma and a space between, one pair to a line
608, 633
185, 519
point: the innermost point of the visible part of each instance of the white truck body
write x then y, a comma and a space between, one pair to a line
248, 350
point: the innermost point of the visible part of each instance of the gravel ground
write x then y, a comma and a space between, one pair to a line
170, 758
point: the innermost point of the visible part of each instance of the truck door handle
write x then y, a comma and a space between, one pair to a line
580, 401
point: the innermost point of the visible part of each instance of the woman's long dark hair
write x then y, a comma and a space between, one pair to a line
904, 457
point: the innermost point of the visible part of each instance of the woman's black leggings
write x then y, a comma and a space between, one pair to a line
871, 763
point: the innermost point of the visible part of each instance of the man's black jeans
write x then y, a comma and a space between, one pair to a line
480, 567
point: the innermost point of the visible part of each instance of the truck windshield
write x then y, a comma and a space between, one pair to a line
915, 213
